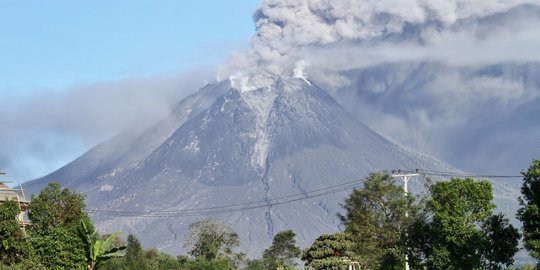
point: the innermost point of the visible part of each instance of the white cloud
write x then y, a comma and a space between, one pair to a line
44, 131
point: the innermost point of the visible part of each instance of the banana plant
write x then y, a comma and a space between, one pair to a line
99, 250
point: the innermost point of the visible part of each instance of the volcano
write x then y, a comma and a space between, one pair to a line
262, 160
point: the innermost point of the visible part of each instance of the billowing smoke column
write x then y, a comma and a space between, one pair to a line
286, 28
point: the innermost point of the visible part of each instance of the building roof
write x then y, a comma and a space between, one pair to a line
7, 193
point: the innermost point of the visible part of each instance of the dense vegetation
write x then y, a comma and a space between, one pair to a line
454, 227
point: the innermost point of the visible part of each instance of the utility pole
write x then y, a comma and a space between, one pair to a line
405, 177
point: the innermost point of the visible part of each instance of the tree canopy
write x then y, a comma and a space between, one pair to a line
529, 213
211, 239
12, 243
502, 242
454, 228
376, 218
134, 257
327, 252
57, 207
462, 232
56, 215
283, 251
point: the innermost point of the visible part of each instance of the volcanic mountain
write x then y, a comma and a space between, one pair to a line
261, 160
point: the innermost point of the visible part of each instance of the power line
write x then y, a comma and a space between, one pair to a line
269, 202
347, 184
209, 211
443, 173
233, 207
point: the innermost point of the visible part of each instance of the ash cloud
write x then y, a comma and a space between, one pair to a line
289, 31
47, 130
330, 43
480, 72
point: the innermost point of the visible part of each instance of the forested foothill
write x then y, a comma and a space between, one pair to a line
454, 226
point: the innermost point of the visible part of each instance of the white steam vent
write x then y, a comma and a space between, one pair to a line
299, 73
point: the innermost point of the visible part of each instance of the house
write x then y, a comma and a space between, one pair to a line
11, 194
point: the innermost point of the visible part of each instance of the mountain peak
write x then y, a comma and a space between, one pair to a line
246, 82
285, 136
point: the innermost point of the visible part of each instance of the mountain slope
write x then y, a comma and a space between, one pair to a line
235, 147
128, 148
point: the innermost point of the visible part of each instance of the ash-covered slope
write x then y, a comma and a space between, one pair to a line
231, 147
127, 149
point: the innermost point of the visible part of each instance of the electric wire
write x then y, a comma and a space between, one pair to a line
233, 207
211, 211
261, 201
269, 202
442, 173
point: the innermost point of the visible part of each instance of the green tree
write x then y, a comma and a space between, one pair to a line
25, 264
327, 252
283, 251
161, 261
114, 264
210, 239
463, 233
459, 207
376, 218
256, 264
57, 207
201, 263
420, 240
134, 258
502, 242
529, 213
56, 215
13, 246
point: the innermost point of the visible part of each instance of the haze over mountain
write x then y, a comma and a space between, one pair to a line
44, 130
456, 79
479, 118
475, 63
224, 146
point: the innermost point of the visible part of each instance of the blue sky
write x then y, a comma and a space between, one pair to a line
75, 73
51, 45
65, 64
